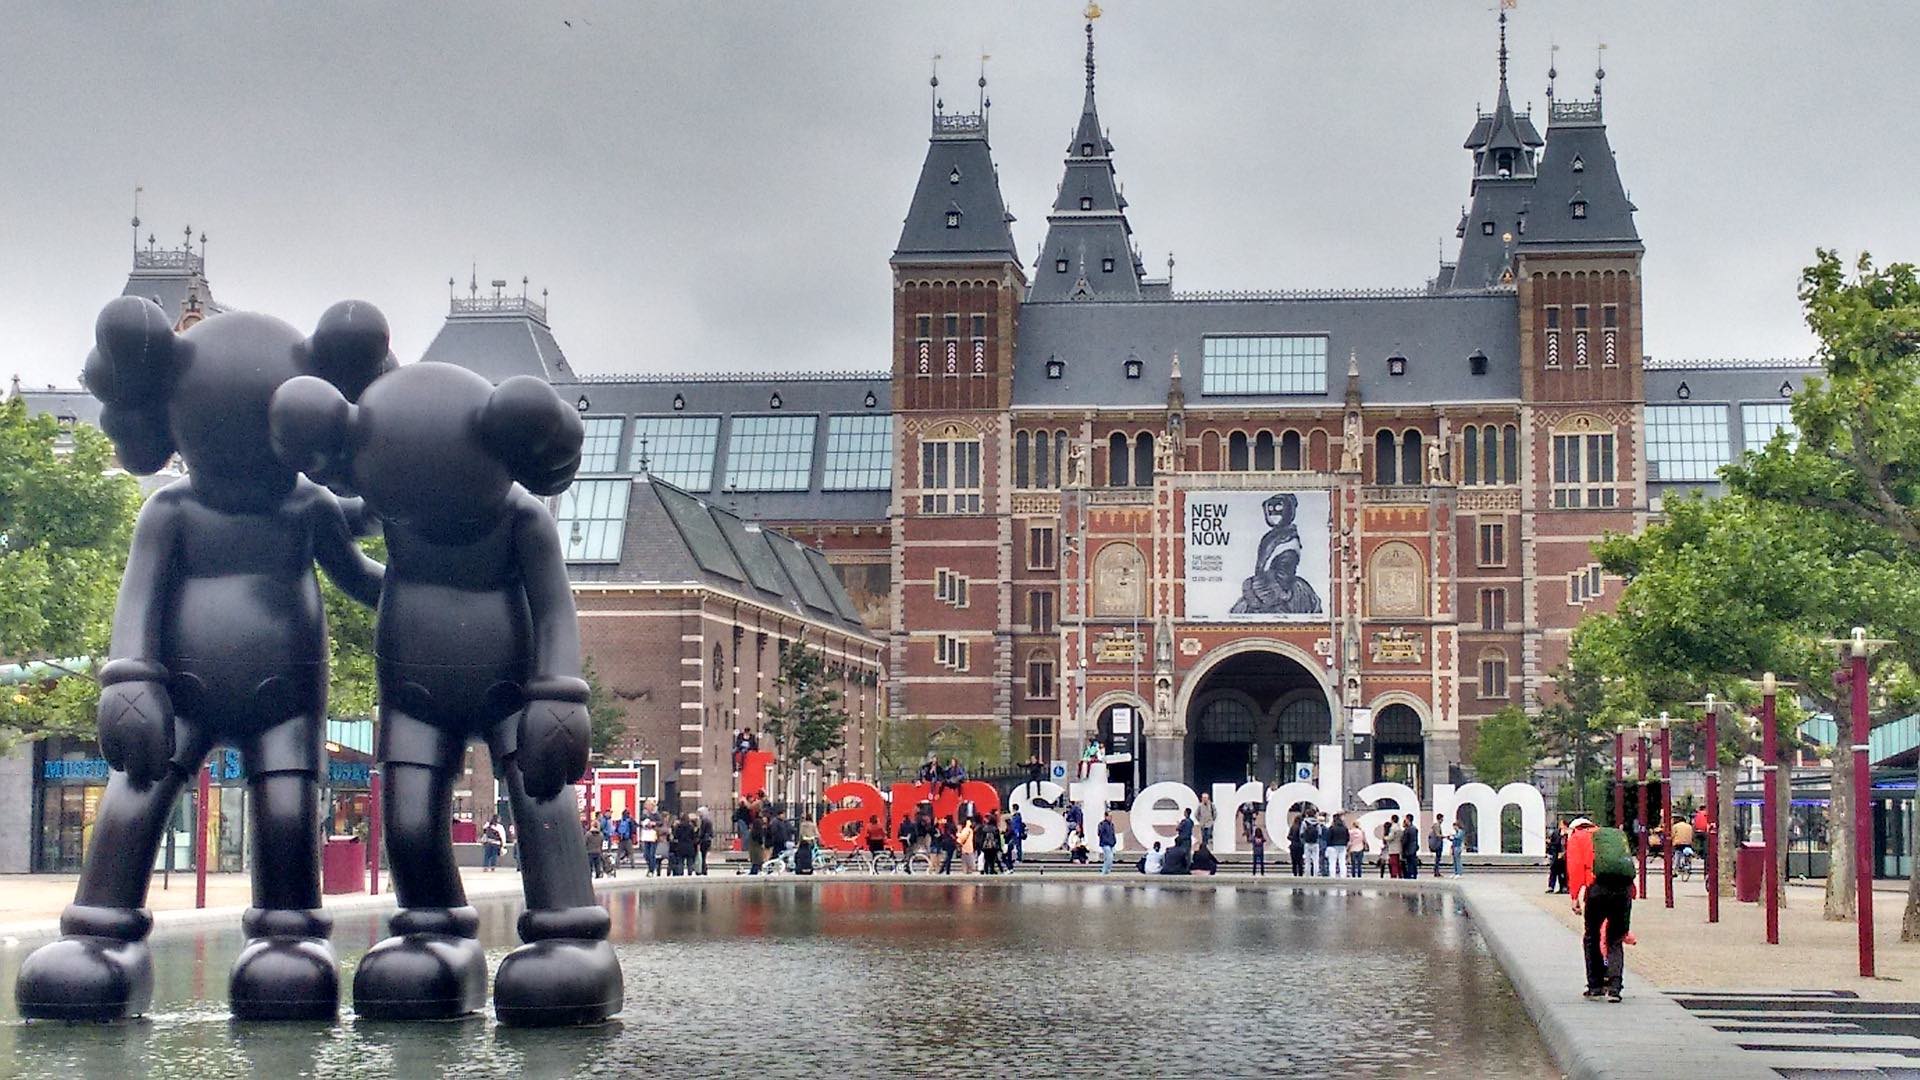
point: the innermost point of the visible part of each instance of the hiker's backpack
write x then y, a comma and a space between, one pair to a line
1612, 855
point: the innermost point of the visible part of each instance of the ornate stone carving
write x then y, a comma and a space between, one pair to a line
1119, 582
1350, 444
1396, 646
1396, 580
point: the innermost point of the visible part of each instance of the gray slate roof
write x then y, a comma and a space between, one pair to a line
675, 537
1087, 239
1609, 220
500, 346
170, 289
1484, 258
1436, 334
958, 148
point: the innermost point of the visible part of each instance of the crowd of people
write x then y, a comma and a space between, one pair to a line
672, 845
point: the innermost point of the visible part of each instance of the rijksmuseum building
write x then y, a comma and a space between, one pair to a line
1213, 530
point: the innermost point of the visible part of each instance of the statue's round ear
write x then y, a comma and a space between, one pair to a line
350, 347
527, 428
309, 425
135, 354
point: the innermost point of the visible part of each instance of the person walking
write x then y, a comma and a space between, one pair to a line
683, 846
1391, 838
704, 838
949, 844
1336, 845
1016, 839
1410, 847
990, 845
1356, 848
1600, 869
650, 839
1437, 840
1557, 858
1259, 842
1459, 847
1296, 843
1205, 819
493, 838
1108, 841
965, 840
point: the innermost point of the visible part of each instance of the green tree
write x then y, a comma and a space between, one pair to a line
65, 519
352, 684
607, 719
1506, 748
1855, 466
805, 722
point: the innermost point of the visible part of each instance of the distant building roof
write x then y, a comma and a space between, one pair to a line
957, 213
499, 337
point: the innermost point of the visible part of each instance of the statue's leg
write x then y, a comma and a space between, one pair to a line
287, 970
100, 968
566, 973
432, 966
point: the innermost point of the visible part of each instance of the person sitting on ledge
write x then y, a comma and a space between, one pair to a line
1176, 863
1077, 848
1204, 861
1151, 862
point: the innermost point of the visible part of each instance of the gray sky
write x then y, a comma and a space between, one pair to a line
718, 186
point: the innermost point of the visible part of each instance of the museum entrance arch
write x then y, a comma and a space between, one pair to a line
1256, 714
1399, 745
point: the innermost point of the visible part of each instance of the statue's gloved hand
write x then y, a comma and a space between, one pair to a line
136, 729
555, 735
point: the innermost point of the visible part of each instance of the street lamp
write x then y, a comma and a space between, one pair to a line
1856, 649
1712, 840
1770, 802
1666, 800
1640, 803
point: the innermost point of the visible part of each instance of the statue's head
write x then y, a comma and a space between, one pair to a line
431, 444
205, 393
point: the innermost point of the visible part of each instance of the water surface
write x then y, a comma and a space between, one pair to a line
855, 979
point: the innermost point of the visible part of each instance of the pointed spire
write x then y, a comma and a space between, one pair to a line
1092, 13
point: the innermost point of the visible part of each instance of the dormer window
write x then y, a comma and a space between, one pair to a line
1106, 266
1086, 202
774, 402
1133, 367
1579, 163
1056, 367
872, 400
1683, 391
1086, 149
1477, 363
954, 176
1506, 163
953, 219
1486, 228
1396, 365
679, 402
1059, 266
1579, 208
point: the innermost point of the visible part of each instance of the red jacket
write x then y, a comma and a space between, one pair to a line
1579, 862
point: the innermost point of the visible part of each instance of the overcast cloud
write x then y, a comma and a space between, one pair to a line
718, 186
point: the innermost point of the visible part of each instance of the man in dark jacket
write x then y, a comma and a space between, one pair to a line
1337, 835
1108, 841
1183, 833
1410, 847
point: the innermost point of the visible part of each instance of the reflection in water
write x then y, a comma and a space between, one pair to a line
790, 979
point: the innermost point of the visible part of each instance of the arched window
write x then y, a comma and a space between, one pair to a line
1042, 461
1385, 459
1510, 456
1143, 460
1039, 674
1470, 458
1493, 673
1263, 452
1210, 451
1060, 458
1290, 450
1118, 452
1237, 451
1489, 455
1410, 461
1021, 477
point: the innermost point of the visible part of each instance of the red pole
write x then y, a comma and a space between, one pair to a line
373, 831
1862, 809
1666, 800
203, 822
1712, 844
1619, 779
1640, 800
1770, 805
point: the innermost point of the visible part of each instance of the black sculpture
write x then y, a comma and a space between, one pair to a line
477, 639
218, 636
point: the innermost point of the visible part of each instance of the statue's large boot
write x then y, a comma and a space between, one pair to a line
565, 975
432, 968
98, 969
287, 970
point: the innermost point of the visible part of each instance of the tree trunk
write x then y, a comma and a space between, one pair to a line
1840, 904
1910, 924
1728, 841
1782, 817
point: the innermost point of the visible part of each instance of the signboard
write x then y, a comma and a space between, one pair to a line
1258, 556
1360, 721
1122, 720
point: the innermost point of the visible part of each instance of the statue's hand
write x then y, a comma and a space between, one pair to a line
555, 736
136, 729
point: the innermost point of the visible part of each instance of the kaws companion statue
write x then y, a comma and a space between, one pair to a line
476, 639
218, 637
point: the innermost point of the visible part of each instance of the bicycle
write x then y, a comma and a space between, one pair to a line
1684, 866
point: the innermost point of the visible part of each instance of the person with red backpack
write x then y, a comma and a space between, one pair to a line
1600, 877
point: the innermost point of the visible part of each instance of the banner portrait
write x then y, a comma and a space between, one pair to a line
1258, 556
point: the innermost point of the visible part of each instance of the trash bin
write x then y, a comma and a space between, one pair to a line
1749, 872
343, 866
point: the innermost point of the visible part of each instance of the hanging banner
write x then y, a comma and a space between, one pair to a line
1258, 556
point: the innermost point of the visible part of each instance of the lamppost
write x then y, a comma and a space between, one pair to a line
1640, 803
1856, 649
1666, 800
1619, 777
1770, 805
1712, 839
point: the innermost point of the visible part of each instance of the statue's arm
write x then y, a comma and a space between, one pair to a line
543, 573
146, 587
358, 575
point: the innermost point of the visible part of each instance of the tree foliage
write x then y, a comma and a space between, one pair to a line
804, 722
607, 720
1507, 747
352, 685
65, 518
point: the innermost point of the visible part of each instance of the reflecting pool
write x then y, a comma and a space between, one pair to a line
854, 979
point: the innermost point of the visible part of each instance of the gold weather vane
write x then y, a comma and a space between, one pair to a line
1092, 12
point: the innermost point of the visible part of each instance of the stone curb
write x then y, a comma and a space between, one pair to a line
1648, 1035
